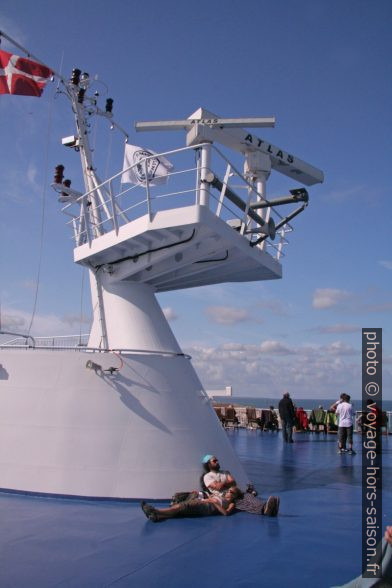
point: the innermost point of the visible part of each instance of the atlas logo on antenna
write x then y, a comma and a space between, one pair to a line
285, 157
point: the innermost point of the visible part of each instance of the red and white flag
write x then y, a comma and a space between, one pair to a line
19, 75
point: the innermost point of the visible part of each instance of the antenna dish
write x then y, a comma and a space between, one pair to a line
187, 124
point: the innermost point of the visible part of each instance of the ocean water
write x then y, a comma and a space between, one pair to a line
306, 403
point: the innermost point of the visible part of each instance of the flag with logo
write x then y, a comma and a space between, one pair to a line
144, 163
19, 75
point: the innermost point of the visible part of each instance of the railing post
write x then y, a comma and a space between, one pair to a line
86, 220
205, 168
261, 184
114, 212
245, 222
147, 190
223, 191
280, 244
198, 165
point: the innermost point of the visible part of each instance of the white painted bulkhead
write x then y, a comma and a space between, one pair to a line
141, 432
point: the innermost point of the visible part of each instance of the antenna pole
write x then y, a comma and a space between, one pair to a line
87, 163
91, 182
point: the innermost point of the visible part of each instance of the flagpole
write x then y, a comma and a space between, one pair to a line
30, 55
54, 72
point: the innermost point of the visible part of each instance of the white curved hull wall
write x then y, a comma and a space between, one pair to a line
140, 433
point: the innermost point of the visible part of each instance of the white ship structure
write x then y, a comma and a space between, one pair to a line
126, 415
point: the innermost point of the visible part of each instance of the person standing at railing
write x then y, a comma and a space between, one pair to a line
287, 415
344, 410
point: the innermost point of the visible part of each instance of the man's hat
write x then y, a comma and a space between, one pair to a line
206, 458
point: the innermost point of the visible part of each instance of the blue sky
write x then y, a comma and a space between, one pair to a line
324, 70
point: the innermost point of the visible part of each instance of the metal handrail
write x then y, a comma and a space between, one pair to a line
123, 171
84, 231
19, 335
99, 350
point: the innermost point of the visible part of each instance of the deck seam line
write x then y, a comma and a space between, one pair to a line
156, 559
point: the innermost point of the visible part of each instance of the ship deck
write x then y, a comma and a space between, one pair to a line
315, 540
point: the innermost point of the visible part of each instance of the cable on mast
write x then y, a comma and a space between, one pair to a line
43, 212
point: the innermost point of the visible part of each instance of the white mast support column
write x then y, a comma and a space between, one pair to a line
98, 331
135, 320
205, 163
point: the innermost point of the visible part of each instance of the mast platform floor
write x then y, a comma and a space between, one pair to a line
315, 542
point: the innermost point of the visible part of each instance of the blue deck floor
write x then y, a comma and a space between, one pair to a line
315, 541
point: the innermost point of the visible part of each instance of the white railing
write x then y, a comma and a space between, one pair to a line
78, 343
112, 204
58, 341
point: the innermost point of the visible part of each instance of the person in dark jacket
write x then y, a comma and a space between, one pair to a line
287, 416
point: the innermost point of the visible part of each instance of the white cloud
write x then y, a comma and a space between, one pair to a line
271, 367
227, 315
334, 298
339, 348
169, 313
43, 325
32, 173
275, 306
347, 192
329, 297
234, 347
275, 348
76, 319
215, 292
10, 322
29, 284
21, 187
379, 307
386, 263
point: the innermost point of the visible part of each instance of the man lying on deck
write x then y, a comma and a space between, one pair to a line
197, 507
215, 482
221, 496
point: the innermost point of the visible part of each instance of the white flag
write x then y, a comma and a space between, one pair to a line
158, 167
